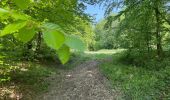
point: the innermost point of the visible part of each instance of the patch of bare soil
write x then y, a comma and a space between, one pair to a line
84, 82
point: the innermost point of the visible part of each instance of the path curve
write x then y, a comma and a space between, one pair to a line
84, 82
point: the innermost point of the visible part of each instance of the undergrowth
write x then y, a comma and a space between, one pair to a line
25, 79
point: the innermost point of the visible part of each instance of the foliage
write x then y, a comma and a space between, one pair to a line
106, 38
24, 25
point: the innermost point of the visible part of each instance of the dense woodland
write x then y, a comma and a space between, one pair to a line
57, 32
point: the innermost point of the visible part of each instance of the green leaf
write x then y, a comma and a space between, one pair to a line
25, 34
75, 43
4, 13
51, 26
11, 28
23, 4
64, 54
20, 16
54, 39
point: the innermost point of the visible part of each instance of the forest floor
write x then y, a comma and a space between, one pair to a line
99, 75
84, 82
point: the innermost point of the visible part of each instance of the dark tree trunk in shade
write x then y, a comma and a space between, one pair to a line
158, 35
39, 39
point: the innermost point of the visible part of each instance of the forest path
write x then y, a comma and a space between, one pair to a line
84, 82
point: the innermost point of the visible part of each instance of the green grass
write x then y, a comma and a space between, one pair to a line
96, 55
137, 83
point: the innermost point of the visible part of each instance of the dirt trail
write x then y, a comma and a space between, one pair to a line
84, 82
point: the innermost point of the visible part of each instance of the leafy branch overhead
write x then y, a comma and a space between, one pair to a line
24, 27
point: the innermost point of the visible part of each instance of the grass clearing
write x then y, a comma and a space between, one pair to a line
137, 83
97, 55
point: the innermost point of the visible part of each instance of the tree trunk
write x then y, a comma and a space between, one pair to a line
27, 50
39, 39
158, 35
148, 39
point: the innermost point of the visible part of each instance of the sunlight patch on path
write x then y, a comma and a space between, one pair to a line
105, 51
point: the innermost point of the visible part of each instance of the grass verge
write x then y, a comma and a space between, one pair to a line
137, 83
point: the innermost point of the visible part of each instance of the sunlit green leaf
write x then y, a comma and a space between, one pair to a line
4, 13
11, 28
20, 16
54, 39
25, 34
23, 4
75, 43
64, 54
51, 26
